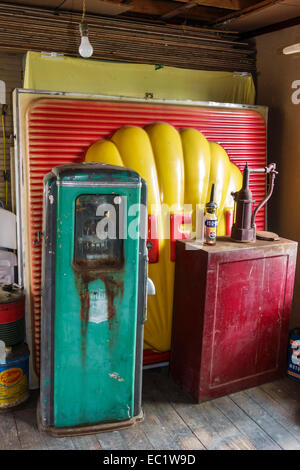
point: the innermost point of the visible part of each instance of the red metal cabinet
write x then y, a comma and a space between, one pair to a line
232, 304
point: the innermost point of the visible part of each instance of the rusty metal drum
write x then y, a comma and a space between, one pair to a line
12, 315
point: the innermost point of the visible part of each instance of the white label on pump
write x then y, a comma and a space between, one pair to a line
98, 306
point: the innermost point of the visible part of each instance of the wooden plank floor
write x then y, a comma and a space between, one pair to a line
262, 418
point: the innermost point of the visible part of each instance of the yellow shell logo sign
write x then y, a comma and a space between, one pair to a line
10, 377
179, 166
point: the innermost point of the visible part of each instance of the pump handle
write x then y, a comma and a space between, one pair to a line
271, 170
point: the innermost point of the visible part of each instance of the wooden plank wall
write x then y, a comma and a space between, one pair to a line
11, 74
122, 40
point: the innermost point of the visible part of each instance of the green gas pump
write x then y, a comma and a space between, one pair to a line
94, 291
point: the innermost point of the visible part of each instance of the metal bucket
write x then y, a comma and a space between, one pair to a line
14, 371
294, 354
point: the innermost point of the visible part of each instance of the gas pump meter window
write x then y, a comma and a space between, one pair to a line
98, 240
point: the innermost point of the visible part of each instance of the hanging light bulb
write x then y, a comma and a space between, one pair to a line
85, 48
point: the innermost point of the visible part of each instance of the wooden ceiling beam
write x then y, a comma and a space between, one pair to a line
186, 4
260, 5
222, 4
229, 4
179, 10
197, 11
247, 3
159, 8
201, 9
180, 6
155, 7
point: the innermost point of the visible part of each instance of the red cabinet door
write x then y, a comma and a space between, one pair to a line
231, 315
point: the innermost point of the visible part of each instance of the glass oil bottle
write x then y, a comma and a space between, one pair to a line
210, 220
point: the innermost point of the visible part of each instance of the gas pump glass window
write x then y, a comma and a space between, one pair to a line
98, 242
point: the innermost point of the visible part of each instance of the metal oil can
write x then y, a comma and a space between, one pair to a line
94, 286
293, 370
14, 370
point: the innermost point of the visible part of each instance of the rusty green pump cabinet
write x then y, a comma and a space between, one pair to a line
93, 298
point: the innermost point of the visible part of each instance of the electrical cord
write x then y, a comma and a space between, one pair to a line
83, 10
